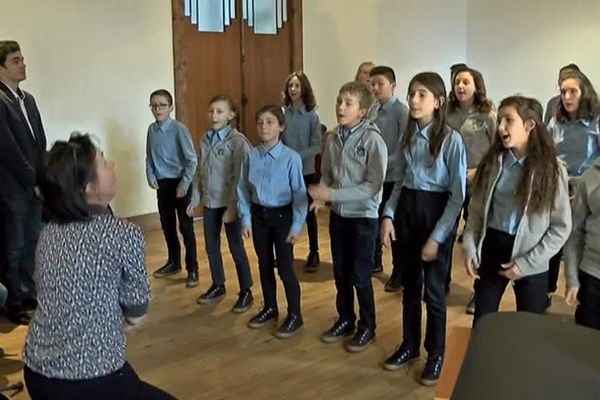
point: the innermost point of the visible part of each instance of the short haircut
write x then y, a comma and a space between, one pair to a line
163, 92
63, 176
272, 109
384, 71
365, 98
7, 47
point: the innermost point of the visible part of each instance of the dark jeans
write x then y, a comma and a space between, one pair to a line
415, 218
172, 209
352, 243
588, 310
311, 218
530, 291
123, 384
378, 254
554, 271
213, 221
22, 222
270, 228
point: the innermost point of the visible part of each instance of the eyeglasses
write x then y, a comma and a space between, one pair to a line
160, 106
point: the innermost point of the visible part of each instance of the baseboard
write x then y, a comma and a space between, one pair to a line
150, 222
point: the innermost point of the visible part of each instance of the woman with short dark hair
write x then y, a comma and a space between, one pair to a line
91, 281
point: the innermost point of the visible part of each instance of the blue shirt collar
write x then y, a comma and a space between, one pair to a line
275, 152
389, 103
425, 131
510, 159
301, 109
221, 133
163, 126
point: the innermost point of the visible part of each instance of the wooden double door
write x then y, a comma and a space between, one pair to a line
249, 67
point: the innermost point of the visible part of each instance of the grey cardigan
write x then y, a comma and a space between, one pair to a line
539, 236
583, 248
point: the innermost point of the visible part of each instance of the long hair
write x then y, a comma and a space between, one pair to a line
306, 90
439, 130
480, 101
540, 178
63, 176
589, 107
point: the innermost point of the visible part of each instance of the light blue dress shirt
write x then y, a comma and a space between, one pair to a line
170, 153
506, 212
303, 135
576, 143
415, 169
272, 178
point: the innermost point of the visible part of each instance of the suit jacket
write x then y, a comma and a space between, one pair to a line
20, 153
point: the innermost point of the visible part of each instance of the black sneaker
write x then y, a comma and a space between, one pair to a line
432, 370
471, 304
401, 357
312, 262
377, 269
244, 302
266, 315
170, 268
192, 279
392, 285
340, 329
292, 325
360, 341
214, 294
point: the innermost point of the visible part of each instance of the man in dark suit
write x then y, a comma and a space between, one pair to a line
22, 146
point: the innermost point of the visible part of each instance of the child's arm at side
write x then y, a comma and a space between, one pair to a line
240, 152
152, 181
196, 189
299, 201
244, 197
573, 250
190, 161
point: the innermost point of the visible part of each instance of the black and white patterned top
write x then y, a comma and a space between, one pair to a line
89, 276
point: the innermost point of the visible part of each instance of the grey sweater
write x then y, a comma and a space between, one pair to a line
539, 236
583, 248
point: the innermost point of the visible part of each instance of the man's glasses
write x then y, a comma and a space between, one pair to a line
160, 106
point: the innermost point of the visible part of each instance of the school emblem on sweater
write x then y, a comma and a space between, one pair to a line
360, 151
220, 152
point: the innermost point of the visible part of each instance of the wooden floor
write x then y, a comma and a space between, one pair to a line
206, 352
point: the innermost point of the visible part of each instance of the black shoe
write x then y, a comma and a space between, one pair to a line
312, 262
214, 294
402, 357
360, 341
192, 279
338, 331
244, 302
20, 317
471, 304
392, 285
460, 238
266, 315
377, 269
292, 325
170, 268
432, 370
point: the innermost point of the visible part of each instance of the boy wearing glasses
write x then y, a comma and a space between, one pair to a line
170, 167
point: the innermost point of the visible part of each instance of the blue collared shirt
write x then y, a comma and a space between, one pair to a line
170, 153
303, 135
415, 169
506, 212
272, 178
391, 119
215, 137
576, 143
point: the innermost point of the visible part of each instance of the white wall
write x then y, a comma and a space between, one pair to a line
519, 45
411, 36
91, 66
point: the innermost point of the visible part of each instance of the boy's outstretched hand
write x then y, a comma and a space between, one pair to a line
320, 193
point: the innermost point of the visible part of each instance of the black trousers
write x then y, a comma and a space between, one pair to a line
588, 310
352, 243
172, 209
22, 222
415, 218
123, 384
378, 254
213, 221
270, 228
311, 218
530, 291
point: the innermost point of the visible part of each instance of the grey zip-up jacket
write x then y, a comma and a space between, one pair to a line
582, 251
219, 170
355, 171
539, 236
